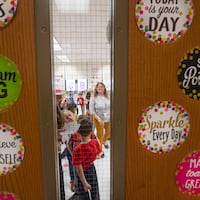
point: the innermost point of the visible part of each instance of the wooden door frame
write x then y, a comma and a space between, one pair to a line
46, 99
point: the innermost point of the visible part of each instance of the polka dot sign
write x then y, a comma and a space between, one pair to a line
7, 11
163, 127
8, 196
10, 83
188, 174
188, 74
164, 21
11, 149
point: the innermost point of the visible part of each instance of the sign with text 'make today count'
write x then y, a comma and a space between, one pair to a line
163, 127
188, 174
164, 21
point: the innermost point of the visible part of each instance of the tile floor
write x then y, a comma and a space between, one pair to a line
103, 172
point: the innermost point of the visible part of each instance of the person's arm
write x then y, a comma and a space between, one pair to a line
79, 171
92, 111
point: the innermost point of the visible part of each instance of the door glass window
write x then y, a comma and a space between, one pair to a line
81, 52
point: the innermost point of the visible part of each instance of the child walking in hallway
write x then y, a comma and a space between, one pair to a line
83, 158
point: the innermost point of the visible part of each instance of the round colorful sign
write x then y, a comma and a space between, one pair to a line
11, 149
7, 11
188, 74
8, 196
164, 21
188, 174
10, 83
163, 127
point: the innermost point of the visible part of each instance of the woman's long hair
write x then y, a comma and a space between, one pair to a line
105, 90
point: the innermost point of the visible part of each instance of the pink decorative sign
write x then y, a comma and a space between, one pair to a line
163, 127
8, 196
188, 174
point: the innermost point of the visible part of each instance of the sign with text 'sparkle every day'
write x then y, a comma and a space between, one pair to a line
163, 127
164, 21
7, 12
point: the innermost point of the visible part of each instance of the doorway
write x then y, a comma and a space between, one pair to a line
81, 54
47, 94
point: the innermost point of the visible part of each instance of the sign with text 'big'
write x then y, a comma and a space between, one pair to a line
10, 83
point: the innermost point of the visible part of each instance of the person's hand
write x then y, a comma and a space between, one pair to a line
101, 122
87, 186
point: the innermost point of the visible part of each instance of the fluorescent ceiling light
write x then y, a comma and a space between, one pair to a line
63, 58
73, 6
56, 45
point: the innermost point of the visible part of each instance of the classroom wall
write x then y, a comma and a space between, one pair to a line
152, 77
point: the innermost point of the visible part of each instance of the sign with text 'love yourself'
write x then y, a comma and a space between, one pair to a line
188, 174
163, 127
188, 74
164, 21
7, 11
11, 149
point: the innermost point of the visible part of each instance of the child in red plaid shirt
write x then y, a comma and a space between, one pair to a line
83, 157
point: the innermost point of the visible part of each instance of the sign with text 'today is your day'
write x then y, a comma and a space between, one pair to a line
163, 21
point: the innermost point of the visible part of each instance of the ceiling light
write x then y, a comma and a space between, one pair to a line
56, 45
63, 58
72, 6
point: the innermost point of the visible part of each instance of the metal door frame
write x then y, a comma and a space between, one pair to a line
119, 99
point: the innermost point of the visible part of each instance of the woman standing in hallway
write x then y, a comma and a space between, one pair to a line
100, 110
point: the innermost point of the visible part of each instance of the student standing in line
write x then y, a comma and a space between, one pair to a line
83, 157
81, 102
75, 140
60, 128
100, 110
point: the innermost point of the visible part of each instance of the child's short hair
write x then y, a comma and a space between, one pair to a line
85, 127
80, 117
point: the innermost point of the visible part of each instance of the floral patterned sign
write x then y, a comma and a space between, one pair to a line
164, 21
163, 127
11, 149
188, 174
188, 74
7, 11
8, 196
